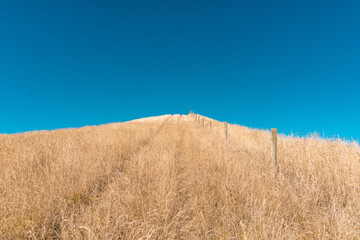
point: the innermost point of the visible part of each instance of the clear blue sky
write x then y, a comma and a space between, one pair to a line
294, 65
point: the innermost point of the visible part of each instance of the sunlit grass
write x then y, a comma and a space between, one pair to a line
168, 178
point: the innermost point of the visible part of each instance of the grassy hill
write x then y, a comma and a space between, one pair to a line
169, 177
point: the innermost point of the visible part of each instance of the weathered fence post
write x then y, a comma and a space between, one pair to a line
274, 163
203, 122
210, 126
226, 130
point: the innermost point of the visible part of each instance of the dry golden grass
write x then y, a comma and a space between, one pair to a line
170, 178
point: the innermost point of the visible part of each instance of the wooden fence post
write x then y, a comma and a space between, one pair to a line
210, 126
226, 130
203, 122
274, 163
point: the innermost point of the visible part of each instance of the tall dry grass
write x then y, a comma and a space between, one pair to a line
171, 178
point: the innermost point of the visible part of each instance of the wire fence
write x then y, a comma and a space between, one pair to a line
274, 163
199, 119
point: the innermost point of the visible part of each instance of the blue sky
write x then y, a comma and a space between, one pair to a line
294, 65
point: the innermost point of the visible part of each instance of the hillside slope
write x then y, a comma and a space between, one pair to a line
169, 177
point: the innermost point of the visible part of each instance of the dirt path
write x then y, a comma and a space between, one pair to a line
155, 193
101, 185
147, 197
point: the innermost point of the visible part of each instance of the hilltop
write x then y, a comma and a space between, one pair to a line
170, 177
